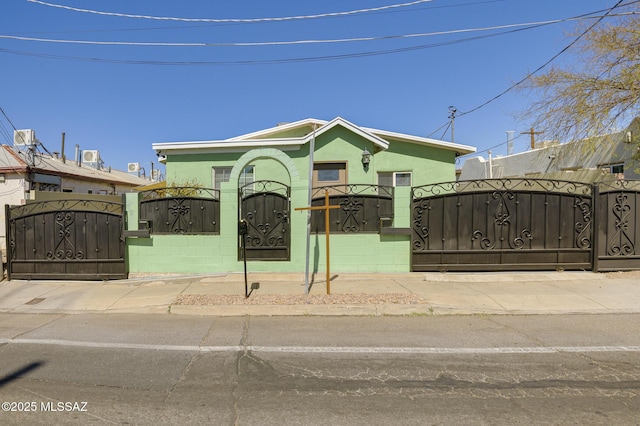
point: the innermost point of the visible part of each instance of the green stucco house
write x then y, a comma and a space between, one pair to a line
261, 178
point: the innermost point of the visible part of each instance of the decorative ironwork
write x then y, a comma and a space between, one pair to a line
64, 248
361, 208
181, 210
420, 224
621, 243
264, 186
65, 205
583, 227
491, 185
266, 234
264, 205
618, 228
547, 221
66, 239
618, 185
353, 189
180, 192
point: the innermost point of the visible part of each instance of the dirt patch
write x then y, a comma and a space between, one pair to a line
624, 275
301, 299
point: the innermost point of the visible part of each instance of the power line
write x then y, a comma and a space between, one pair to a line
7, 117
5, 132
607, 13
439, 128
269, 61
209, 25
233, 20
297, 42
540, 68
492, 147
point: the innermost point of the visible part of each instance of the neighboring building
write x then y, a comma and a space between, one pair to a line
30, 176
608, 157
262, 177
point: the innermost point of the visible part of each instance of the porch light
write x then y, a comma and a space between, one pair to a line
366, 158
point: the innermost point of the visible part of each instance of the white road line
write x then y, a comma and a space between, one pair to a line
329, 349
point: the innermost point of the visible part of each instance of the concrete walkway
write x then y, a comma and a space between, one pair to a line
284, 294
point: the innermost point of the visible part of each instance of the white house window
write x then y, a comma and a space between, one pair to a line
222, 174
394, 179
246, 177
614, 169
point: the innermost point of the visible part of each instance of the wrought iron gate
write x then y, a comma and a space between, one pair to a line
617, 226
265, 206
66, 239
502, 224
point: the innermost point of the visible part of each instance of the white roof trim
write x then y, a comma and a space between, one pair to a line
251, 140
462, 149
200, 145
295, 124
355, 129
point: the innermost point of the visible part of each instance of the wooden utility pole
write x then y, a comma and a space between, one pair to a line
326, 207
533, 134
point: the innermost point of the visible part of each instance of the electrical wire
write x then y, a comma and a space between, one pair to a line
233, 20
298, 42
5, 132
540, 68
270, 61
492, 147
438, 129
607, 14
445, 131
209, 25
7, 117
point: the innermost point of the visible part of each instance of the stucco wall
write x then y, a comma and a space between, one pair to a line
12, 193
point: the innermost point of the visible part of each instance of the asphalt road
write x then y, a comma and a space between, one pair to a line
164, 369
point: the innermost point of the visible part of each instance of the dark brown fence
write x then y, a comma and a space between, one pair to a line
502, 224
66, 239
362, 207
617, 226
181, 210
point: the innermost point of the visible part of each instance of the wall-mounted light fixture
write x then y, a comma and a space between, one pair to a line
366, 158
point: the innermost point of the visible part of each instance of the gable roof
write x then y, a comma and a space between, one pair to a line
294, 135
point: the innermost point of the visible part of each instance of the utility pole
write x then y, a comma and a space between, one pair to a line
452, 117
533, 137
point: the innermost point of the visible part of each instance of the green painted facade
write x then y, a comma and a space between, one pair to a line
290, 165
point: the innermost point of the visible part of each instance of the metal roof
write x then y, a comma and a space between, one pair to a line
15, 161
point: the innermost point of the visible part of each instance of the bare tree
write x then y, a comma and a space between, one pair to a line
601, 93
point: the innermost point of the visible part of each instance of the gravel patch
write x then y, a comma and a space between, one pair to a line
302, 299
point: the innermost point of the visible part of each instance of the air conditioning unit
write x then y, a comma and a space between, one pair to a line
24, 137
133, 167
90, 156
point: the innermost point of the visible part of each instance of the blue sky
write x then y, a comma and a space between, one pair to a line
119, 99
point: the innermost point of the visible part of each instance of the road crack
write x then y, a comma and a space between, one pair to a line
193, 359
